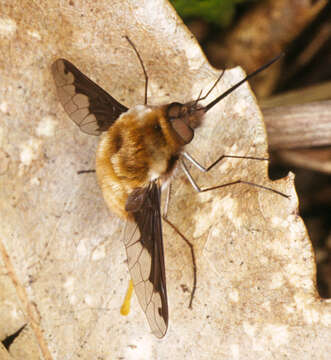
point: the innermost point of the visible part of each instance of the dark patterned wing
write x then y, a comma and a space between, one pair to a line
144, 248
87, 104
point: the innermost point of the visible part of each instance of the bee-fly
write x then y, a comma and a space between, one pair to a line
137, 153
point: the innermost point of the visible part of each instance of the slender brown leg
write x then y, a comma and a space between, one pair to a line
189, 244
85, 171
200, 167
142, 65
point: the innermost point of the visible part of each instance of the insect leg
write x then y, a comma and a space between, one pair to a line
198, 189
212, 88
85, 171
189, 244
142, 65
206, 169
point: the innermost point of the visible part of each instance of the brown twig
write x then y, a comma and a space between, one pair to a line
317, 92
299, 126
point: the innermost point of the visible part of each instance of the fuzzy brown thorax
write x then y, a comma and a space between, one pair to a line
141, 146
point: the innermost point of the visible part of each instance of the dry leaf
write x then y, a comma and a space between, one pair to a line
256, 295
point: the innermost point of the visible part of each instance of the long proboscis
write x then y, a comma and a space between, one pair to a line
234, 87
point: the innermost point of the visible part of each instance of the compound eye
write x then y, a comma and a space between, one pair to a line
184, 131
174, 110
